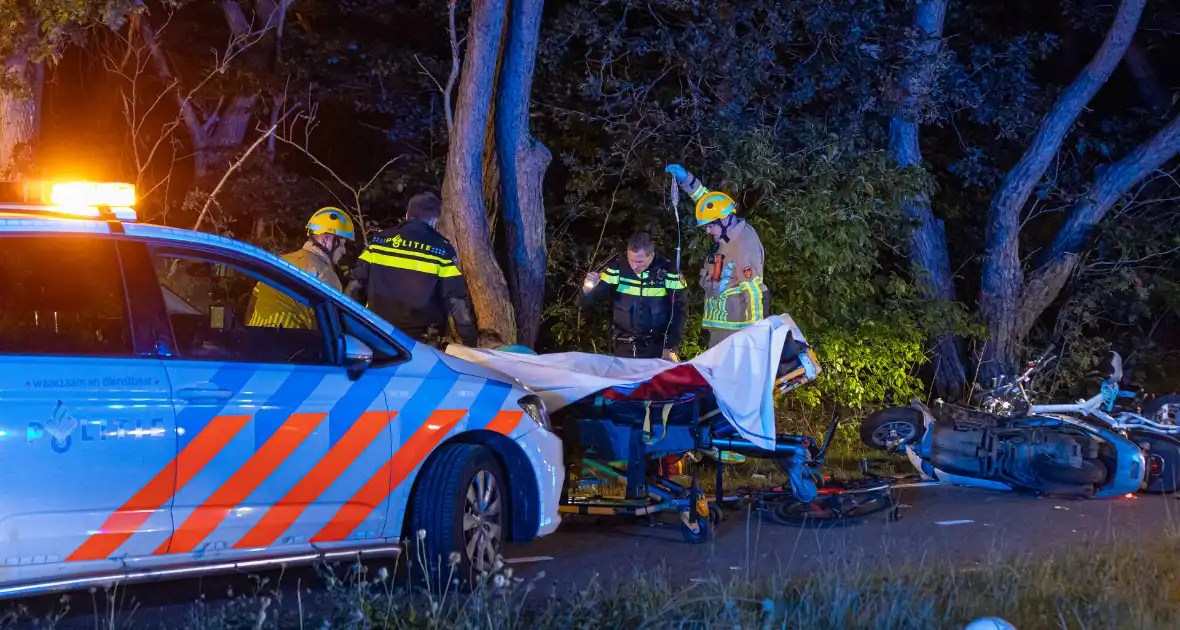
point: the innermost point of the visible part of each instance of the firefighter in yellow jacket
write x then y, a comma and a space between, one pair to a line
735, 294
327, 231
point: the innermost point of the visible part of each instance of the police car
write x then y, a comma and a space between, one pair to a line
147, 432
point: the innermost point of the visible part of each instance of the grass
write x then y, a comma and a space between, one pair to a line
1105, 586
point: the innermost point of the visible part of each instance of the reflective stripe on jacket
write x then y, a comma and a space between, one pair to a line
735, 293
649, 304
275, 309
409, 273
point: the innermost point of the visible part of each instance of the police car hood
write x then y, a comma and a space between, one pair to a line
741, 371
462, 364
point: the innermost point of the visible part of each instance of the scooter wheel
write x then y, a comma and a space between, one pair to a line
892, 427
704, 528
1163, 409
1164, 461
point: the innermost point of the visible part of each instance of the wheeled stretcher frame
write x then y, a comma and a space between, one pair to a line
612, 440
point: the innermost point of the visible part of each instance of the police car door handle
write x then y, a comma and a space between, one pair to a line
203, 393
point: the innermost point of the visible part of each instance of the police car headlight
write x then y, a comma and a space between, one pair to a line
533, 406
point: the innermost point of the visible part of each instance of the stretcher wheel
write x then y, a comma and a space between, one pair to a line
704, 528
715, 514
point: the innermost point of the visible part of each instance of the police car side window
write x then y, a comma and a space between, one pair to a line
226, 312
62, 296
384, 352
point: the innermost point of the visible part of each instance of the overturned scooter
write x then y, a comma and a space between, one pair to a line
1046, 455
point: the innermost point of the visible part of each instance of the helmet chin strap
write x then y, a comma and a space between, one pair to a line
725, 223
320, 246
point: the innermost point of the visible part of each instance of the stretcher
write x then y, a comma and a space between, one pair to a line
616, 417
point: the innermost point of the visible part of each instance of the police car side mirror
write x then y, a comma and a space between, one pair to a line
358, 356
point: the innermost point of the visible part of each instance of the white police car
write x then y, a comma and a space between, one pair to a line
145, 431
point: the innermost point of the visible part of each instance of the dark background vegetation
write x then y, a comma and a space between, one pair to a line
788, 105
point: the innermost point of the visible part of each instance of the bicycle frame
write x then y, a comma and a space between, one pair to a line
1098, 408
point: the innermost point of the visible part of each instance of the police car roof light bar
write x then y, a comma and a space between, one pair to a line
111, 201
106, 201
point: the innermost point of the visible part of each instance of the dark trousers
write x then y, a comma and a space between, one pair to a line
637, 349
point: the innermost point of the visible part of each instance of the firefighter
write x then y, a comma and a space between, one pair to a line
735, 294
327, 231
649, 303
410, 277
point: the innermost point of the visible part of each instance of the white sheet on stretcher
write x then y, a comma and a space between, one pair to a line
741, 370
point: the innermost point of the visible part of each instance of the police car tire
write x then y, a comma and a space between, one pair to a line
438, 506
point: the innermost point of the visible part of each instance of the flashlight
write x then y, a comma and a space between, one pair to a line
591, 281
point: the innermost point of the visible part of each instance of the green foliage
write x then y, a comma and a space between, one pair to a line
35, 31
785, 104
868, 364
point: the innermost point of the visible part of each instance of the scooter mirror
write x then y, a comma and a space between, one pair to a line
1116, 367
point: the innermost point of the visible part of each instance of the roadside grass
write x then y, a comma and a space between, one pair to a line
1099, 585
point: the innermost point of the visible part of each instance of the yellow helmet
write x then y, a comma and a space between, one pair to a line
713, 206
331, 220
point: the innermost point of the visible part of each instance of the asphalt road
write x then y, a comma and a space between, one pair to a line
938, 524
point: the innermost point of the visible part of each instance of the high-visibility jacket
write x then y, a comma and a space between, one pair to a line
735, 294
412, 281
275, 309
650, 306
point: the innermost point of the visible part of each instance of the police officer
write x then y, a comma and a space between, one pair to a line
411, 279
327, 231
735, 294
648, 296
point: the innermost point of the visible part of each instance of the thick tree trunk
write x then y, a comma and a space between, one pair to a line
217, 137
222, 135
928, 251
1138, 63
1003, 277
463, 182
19, 118
1046, 282
522, 161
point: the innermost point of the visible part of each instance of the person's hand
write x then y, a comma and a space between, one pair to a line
669, 355
591, 281
677, 171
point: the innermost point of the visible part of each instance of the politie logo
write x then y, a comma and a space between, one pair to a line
59, 428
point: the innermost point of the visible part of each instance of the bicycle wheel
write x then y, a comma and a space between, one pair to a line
843, 502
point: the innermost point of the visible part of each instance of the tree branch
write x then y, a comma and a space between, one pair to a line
235, 166
448, 109
1002, 275
1045, 284
357, 191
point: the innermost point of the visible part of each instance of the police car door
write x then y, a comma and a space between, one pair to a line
87, 432
280, 436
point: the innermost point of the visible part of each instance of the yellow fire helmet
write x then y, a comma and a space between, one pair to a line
331, 220
713, 206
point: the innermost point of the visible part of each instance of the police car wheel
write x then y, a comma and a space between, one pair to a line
461, 506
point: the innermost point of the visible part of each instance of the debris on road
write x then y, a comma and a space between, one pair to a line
961, 522
527, 560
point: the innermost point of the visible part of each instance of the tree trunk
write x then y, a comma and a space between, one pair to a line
928, 251
463, 181
225, 130
1046, 282
1138, 63
222, 135
1003, 277
19, 118
491, 179
522, 162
